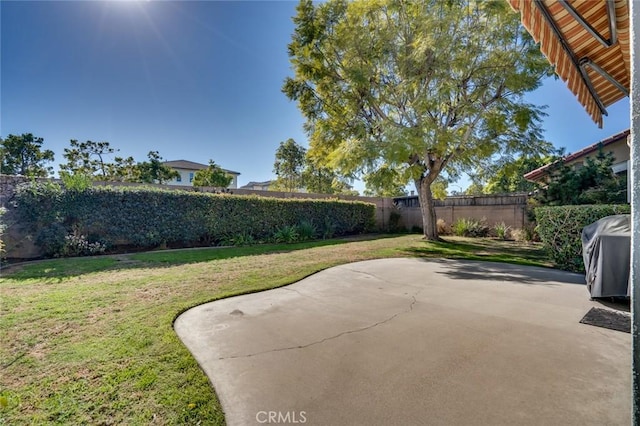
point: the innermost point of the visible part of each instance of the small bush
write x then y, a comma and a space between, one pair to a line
306, 230
468, 227
51, 239
76, 181
76, 244
502, 230
394, 222
560, 230
527, 234
328, 229
443, 227
3, 227
242, 239
286, 234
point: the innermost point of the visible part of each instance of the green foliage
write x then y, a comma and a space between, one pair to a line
3, 227
88, 158
153, 171
290, 161
593, 183
473, 189
22, 155
126, 170
244, 238
287, 234
146, 218
51, 239
212, 176
502, 230
507, 174
385, 181
420, 88
319, 179
329, 228
560, 230
76, 244
306, 230
76, 182
92, 159
468, 227
394, 222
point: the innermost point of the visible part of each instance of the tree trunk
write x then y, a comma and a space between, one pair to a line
429, 219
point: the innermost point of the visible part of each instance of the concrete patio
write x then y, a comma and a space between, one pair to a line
410, 341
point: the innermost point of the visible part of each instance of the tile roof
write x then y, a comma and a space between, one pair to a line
541, 171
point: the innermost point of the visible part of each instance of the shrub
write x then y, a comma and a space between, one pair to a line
502, 230
286, 234
306, 230
147, 218
76, 244
328, 229
76, 181
241, 239
51, 239
3, 228
527, 234
443, 227
560, 230
468, 227
394, 222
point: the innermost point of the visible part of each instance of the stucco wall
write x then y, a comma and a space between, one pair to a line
514, 216
620, 149
493, 209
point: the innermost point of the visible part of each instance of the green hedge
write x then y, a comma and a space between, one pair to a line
147, 218
560, 230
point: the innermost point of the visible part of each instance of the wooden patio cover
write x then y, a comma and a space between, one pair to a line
587, 42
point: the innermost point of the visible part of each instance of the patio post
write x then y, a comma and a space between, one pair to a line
635, 206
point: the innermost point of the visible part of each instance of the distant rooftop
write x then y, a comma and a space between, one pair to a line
192, 165
540, 171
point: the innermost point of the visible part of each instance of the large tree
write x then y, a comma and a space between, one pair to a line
319, 179
507, 174
89, 158
153, 171
592, 183
288, 166
125, 170
426, 88
23, 155
212, 176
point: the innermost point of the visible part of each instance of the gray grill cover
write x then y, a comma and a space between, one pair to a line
606, 251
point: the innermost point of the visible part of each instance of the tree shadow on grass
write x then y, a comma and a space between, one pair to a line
482, 249
60, 269
495, 260
473, 270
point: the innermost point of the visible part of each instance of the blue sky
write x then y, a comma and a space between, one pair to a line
192, 80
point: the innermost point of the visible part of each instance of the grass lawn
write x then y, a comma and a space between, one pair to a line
90, 340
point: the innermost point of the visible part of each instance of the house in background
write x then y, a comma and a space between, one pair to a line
616, 144
188, 169
259, 186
